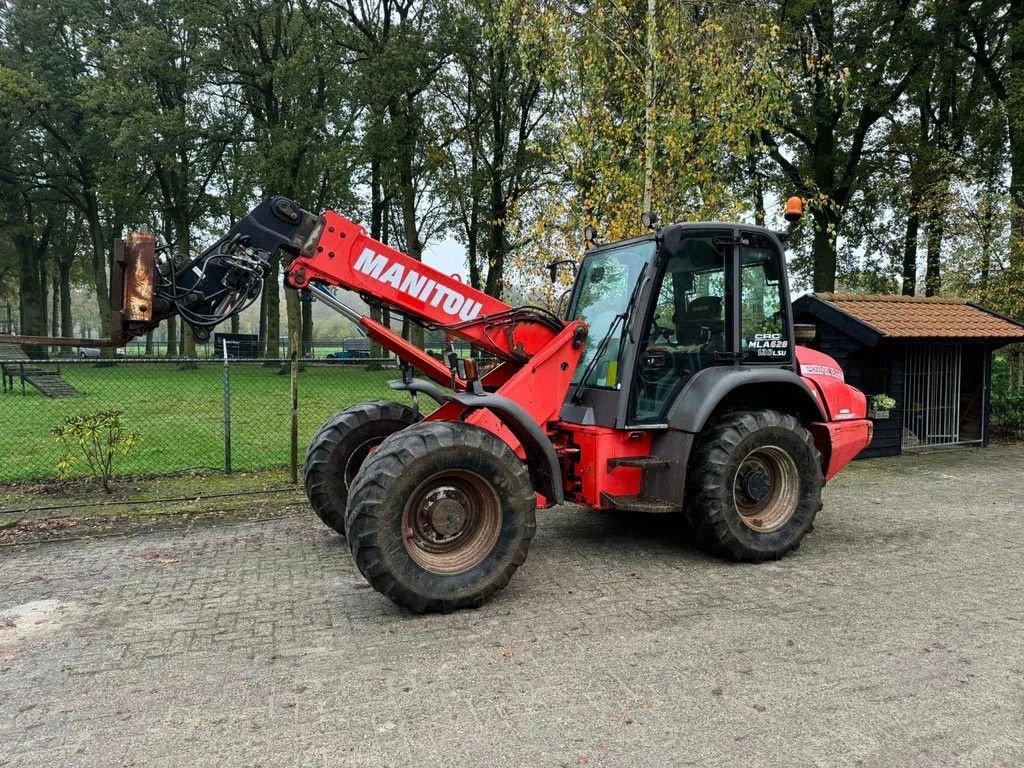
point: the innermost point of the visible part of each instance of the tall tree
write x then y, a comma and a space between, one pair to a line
399, 48
162, 109
278, 66
994, 38
497, 105
715, 88
47, 46
850, 64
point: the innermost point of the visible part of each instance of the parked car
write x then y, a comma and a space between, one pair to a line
90, 352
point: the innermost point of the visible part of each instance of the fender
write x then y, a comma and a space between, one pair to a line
708, 388
541, 459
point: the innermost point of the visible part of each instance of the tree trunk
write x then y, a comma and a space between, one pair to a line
378, 209
31, 288
414, 248
149, 344
294, 320
826, 222
172, 337
272, 290
64, 278
55, 307
826, 213
650, 75
261, 330
101, 282
236, 323
933, 244
188, 344
1017, 186
307, 328
497, 244
910, 255
987, 228
183, 230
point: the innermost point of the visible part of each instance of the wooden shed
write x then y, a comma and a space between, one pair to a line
933, 356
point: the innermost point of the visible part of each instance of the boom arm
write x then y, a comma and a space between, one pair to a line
340, 253
328, 251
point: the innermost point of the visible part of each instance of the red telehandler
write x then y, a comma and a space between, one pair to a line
673, 385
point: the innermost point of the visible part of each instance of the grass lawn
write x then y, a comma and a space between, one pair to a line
179, 415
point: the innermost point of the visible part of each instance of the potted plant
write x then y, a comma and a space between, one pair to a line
880, 407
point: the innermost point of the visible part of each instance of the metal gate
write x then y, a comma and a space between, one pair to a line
931, 413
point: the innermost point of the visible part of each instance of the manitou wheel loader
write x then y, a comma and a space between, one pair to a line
672, 385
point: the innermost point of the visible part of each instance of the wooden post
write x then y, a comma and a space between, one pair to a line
295, 411
227, 412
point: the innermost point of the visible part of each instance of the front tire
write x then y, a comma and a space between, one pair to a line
339, 449
441, 516
754, 486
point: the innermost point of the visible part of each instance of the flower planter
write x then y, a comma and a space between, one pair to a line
872, 414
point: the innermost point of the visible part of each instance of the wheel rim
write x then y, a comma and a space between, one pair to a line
451, 522
766, 489
357, 457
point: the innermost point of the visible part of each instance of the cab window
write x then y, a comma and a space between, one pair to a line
604, 288
764, 337
688, 329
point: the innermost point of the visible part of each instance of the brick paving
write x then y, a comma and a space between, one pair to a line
894, 636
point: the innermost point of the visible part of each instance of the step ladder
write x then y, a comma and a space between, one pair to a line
639, 502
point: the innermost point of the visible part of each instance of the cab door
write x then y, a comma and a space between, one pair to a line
689, 325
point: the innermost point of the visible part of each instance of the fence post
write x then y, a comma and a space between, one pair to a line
227, 412
295, 414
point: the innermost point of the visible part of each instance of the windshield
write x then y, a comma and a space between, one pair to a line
604, 287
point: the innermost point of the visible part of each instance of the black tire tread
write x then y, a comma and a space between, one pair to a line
705, 516
317, 469
384, 467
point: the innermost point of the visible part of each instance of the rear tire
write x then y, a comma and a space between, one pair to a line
339, 449
441, 516
754, 486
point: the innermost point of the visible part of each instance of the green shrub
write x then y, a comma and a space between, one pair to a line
882, 403
99, 439
1008, 412
1007, 403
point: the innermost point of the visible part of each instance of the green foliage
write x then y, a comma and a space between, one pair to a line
510, 125
882, 403
1008, 412
1007, 401
99, 439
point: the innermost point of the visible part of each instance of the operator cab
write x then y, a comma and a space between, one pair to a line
664, 307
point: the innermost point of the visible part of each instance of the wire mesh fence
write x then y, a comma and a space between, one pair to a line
183, 411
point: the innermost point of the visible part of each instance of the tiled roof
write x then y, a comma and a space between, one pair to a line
944, 317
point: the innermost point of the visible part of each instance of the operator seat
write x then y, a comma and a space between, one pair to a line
702, 324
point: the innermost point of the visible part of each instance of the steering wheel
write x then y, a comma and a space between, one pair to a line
660, 331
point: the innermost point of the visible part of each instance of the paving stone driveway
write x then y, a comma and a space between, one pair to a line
893, 637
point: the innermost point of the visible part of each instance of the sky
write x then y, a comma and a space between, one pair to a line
447, 255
